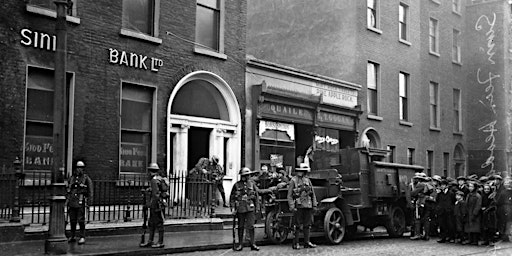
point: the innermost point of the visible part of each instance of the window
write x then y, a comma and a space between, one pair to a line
137, 118
209, 25
457, 117
140, 17
372, 14
39, 120
446, 163
402, 18
372, 84
50, 5
403, 87
410, 156
456, 46
391, 154
430, 162
434, 105
433, 36
327, 140
456, 6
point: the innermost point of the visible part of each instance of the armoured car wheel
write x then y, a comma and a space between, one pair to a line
334, 225
396, 222
275, 232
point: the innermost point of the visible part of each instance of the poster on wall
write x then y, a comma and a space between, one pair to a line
276, 160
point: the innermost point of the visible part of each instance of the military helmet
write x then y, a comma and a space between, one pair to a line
215, 159
153, 167
420, 176
437, 178
80, 164
245, 171
303, 168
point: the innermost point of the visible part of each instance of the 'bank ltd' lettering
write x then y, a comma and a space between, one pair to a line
134, 60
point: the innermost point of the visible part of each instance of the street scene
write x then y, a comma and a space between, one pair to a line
268, 127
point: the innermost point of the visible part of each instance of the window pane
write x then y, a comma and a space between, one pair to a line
402, 85
49, 4
401, 13
371, 80
39, 105
136, 115
207, 28
214, 4
372, 101
138, 15
39, 129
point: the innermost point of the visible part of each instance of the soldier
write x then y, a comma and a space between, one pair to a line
418, 194
79, 194
217, 177
157, 203
244, 200
302, 200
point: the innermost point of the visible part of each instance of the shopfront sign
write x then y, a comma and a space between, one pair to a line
38, 39
277, 126
134, 60
133, 158
286, 111
38, 153
336, 119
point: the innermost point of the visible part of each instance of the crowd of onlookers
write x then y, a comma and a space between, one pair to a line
466, 210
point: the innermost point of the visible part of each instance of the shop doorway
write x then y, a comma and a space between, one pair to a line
199, 145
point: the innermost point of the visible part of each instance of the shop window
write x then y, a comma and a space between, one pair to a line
39, 119
137, 117
327, 140
277, 144
141, 16
210, 25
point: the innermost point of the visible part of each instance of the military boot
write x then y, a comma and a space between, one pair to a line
307, 243
160, 243
240, 240
251, 238
417, 231
149, 243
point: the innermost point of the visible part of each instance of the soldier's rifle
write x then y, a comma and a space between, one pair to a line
145, 218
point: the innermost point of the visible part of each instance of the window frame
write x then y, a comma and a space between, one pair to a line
199, 49
456, 46
457, 111
403, 116
52, 13
433, 37
405, 23
430, 163
70, 116
376, 80
434, 107
374, 10
456, 6
410, 156
153, 134
446, 164
154, 36
392, 153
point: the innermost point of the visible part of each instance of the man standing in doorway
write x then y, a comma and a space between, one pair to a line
79, 194
217, 174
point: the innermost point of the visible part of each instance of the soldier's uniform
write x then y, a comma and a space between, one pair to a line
157, 203
217, 177
244, 199
418, 195
79, 192
302, 200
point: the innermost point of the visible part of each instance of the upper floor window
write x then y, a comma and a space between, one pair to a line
446, 163
372, 13
372, 85
434, 105
410, 156
456, 46
430, 162
391, 153
210, 25
50, 5
457, 117
433, 36
456, 6
403, 19
403, 87
140, 16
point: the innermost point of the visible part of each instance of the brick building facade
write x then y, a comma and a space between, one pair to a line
149, 81
414, 60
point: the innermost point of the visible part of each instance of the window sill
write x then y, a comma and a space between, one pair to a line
434, 53
207, 52
376, 30
458, 133
435, 129
129, 33
457, 13
406, 123
404, 42
51, 13
436, 1
458, 63
377, 118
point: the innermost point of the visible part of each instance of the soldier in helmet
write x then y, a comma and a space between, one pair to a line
419, 193
244, 200
158, 196
217, 174
302, 200
79, 194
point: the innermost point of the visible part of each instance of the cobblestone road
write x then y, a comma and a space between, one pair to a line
372, 246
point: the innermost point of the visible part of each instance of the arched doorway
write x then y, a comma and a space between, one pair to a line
203, 120
370, 138
459, 161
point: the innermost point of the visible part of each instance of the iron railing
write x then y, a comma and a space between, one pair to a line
112, 201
